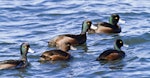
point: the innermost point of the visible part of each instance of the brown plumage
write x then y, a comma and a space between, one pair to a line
72, 38
113, 54
104, 27
57, 54
23, 62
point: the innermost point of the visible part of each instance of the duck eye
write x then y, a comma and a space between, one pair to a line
116, 18
88, 23
120, 42
25, 47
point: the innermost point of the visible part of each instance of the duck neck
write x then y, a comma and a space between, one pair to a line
83, 32
117, 48
23, 55
84, 29
24, 58
112, 22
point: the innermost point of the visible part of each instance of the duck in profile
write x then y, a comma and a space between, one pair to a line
22, 63
72, 38
104, 27
113, 54
58, 54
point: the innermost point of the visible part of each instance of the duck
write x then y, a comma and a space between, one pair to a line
104, 27
58, 54
22, 63
113, 54
74, 39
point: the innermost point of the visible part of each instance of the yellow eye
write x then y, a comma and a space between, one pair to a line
25, 46
121, 42
88, 23
116, 17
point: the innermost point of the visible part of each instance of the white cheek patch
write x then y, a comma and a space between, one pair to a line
30, 50
121, 21
125, 45
93, 27
73, 48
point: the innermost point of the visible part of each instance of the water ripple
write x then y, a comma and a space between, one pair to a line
37, 21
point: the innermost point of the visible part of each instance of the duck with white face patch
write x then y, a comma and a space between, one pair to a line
113, 54
23, 62
73, 39
58, 54
104, 27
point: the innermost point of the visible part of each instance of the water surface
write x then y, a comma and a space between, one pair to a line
37, 21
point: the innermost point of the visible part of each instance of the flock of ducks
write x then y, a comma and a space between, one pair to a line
66, 42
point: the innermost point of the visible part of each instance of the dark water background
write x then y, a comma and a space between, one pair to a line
37, 21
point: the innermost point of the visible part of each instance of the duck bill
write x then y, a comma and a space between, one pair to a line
122, 21
73, 48
125, 45
30, 50
93, 27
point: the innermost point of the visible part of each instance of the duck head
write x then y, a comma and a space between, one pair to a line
114, 18
118, 44
25, 48
85, 26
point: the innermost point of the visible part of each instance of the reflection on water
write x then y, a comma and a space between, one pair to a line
113, 65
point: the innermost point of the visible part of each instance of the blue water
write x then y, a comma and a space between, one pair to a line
37, 21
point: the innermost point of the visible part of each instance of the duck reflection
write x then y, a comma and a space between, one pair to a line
113, 65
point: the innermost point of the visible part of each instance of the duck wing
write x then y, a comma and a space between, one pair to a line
111, 53
105, 24
71, 35
54, 52
80, 38
107, 52
115, 28
11, 64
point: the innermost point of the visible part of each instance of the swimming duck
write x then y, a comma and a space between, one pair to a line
23, 62
113, 54
58, 54
104, 27
72, 38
